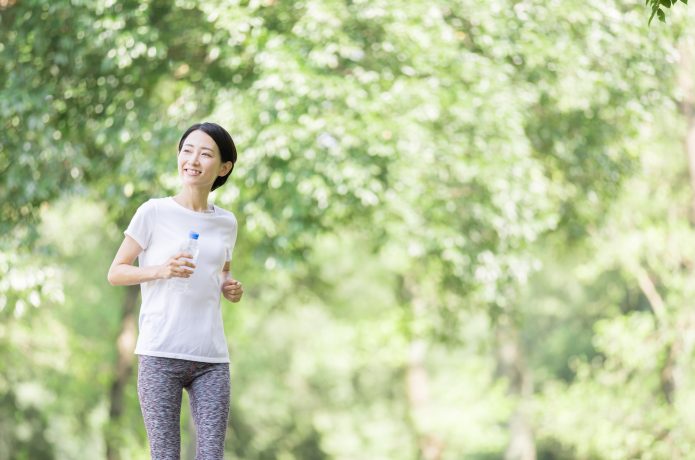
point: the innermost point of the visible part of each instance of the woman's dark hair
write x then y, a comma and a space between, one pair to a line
224, 143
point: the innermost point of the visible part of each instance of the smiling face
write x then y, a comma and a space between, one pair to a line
200, 162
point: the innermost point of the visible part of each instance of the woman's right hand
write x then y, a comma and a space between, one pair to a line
176, 266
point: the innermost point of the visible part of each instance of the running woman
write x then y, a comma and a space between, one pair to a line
181, 342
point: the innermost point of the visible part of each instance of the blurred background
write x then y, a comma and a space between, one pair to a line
466, 229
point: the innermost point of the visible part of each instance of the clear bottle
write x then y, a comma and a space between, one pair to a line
190, 246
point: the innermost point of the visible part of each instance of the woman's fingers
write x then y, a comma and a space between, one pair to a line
180, 267
232, 290
185, 262
232, 286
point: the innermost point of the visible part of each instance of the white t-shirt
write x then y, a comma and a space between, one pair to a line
183, 325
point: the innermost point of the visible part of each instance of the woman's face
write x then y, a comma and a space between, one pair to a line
200, 162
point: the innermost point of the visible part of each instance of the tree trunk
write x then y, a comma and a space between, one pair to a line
512, 366
667, 374
429, 445
685, 326
123, 370
686, 83
670, 372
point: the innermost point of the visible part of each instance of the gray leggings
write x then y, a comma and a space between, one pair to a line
160, 385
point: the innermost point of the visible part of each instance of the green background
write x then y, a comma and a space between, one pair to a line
466, 229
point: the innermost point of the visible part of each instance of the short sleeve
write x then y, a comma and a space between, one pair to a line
140, 227
231, 235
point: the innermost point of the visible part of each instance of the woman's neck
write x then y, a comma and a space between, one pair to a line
193, 200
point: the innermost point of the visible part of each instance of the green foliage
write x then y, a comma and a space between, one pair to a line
408, 171
658, 8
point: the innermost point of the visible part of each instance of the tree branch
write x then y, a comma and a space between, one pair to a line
656, 302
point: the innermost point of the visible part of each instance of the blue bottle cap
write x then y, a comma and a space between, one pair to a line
193, 235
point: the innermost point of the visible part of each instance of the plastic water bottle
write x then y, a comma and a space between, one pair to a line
190, 246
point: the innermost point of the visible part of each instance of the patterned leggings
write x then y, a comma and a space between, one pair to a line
160, 385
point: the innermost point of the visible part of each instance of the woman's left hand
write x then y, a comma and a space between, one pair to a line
232, 290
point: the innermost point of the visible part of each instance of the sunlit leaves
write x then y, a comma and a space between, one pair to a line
659, 8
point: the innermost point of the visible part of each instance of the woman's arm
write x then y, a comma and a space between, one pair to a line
124, 273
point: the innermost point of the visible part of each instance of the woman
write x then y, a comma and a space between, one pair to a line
181, 342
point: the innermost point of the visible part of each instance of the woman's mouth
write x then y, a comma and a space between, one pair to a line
191, 172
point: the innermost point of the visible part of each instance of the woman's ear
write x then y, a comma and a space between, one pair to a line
226, 167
